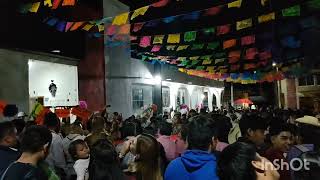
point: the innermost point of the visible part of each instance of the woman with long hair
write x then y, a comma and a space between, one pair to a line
104, 164
146, 150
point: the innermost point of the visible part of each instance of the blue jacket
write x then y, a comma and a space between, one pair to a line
193, 165
7, 156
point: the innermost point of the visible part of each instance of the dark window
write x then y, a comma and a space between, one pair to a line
137, 98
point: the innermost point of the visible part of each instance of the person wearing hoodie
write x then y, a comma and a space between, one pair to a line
197, 163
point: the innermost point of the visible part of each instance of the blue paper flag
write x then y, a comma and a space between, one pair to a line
52, 21
191, 16
61, 26
290, 42
169, 19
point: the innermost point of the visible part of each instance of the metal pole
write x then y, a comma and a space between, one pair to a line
231, 90
278, 90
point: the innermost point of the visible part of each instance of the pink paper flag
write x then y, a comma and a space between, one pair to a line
156, 48
68, 26
265, 55
160, 3
247, 40
212, 11
111, 30
145, 41
56, 4
137, 27
251, 53
133, 38
225, 29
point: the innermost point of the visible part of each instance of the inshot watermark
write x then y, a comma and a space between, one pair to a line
295, 164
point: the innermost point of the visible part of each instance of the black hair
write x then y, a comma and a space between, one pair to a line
201, 129
34, 138
104, 163
19, 124
10, 110
73, 148
165, 128
276, 128
223, 125
6, 128
253, 122
235, 160
51, 120
131, 129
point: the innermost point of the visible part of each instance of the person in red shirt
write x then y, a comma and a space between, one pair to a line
281, 140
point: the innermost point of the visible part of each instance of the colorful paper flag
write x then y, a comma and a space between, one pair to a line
68, 3
190, 36
68, 26
210, 69
183, 47
47, 3
199, 68
151, 23
52, 22
207, 31
194, 62
56, 4
191, 16
314, 4
213, 45
220, 55
61, 26
121, 19
249, 66
247, 40
169, 19
235, 67
235, 4
137, 27
158, 39
265, 55
194, 58
251, 53
124, 29
161, 3
229, 43
217, 61
267, 17
212, 11
140, 11
206, 62
145, 41
35, 7
221, 30
291, 11
87, 27
197, 46
100, 28
76, 26
234, 56
244, 24
155, 48
173, 38
111, 30
171, 47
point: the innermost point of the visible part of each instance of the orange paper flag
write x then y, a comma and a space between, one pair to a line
229, 43
124, 29
76, 26
69, 2
56, 4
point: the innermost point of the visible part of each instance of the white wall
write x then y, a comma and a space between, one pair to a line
64, 76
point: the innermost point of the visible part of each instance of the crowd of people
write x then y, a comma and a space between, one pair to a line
264, 144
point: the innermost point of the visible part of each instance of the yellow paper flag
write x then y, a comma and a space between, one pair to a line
47, 3
235, 4
121, 19
183, 47
140, 11
87, 27
267, 17
158, 39
101, 28
210, 69
34, 8
173, 38
244, 24
194, 58
206, 62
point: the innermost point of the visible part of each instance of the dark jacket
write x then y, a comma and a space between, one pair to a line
7, 156
193, 164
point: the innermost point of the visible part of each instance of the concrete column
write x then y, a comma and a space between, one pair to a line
210, 98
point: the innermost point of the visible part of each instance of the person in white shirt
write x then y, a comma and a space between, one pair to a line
80, 152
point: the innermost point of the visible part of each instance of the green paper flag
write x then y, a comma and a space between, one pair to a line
200, 67
291, 11
207, 57
197, 46
190, 36
144, 57
220, 55
209, 30
184, 62
314, 4
213, 45
195, 62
